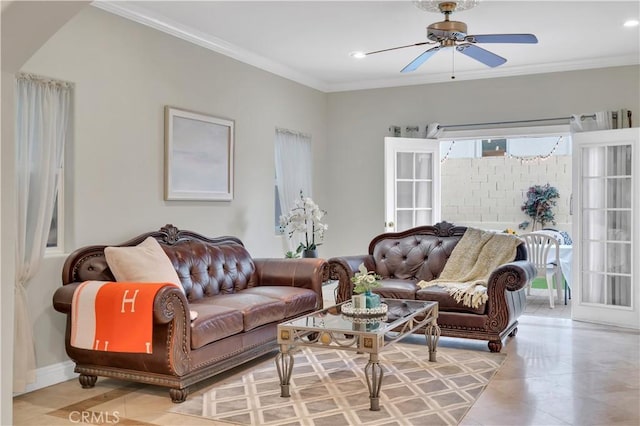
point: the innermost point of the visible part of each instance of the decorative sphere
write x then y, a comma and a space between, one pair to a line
325, 338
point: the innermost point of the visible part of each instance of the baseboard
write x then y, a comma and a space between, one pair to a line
51, 375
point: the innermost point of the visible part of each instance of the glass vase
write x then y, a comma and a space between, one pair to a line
372, 299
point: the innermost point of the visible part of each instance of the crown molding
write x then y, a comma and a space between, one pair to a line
162, 23
414, 80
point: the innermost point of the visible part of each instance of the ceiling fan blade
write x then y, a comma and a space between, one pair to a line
502, 38
413, 65
481, 55
422, 43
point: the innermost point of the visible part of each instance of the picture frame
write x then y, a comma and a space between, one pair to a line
494, 147
198, 156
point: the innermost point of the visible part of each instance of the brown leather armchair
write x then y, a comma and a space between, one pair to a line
238, 300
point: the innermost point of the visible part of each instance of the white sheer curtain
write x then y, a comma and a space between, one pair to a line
434, 131
601, 120
42, 126
605, 226
293, 170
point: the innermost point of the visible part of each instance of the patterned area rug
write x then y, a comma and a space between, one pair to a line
328, 387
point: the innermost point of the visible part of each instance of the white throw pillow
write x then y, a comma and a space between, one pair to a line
146, 262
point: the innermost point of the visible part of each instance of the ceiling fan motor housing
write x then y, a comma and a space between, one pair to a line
447, 30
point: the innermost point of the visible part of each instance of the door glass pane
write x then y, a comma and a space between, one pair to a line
593, 288
424, 194
619, 258
619, 193
424, 217
593, 161
405, 220
593, 256
607, 195
619, 290
619, 160
593, 193
619, 224
424, 163
594, 225
404, 166
404, 192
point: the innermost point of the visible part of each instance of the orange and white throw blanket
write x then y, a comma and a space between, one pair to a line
114, 316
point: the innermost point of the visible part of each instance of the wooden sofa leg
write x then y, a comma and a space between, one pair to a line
495, 345
178, 395
87, 381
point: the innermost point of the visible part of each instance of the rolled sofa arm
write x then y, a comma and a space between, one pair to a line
343, 268
511, 276
171, 335
165, 304
505, 289
63, 297
302, 273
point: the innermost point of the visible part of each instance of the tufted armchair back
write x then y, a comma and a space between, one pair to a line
206, 266
419, 253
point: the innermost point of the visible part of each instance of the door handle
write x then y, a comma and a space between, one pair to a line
389, 224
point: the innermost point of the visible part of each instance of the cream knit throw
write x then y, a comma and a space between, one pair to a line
467, 270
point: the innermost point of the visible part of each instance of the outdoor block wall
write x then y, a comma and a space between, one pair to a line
488, 192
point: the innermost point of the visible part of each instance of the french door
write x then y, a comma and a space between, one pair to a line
412, 183
606, 227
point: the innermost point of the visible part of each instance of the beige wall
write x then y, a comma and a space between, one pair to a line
124, 75
25, 27
488, 192
359, 120
7, 248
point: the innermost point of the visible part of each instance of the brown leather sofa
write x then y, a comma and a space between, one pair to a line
239, 302
405, 258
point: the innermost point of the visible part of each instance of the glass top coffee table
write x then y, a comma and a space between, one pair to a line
331, 328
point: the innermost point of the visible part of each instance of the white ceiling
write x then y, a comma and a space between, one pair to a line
310, 41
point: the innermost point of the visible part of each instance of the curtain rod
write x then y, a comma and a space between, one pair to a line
582, 118
292, 132
46, 80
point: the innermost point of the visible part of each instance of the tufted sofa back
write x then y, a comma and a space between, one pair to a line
207, 269
418, 253
206, 266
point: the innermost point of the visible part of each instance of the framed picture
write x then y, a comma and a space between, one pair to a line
198, 156
494, 147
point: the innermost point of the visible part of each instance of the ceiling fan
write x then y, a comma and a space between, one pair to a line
453, 34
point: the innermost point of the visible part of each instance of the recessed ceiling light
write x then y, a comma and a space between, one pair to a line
357, 55
631, 23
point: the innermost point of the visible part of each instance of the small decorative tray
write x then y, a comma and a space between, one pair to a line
359, 319
347, 309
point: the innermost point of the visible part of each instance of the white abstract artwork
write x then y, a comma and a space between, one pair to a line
199, 156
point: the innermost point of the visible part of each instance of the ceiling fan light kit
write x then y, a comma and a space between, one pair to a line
453, 34
441, 6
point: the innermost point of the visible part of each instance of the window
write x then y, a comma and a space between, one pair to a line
293, 170
55, 242
43, 129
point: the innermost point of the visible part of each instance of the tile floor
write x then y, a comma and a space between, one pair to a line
557, 372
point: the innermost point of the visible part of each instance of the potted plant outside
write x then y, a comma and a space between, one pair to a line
539, 205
